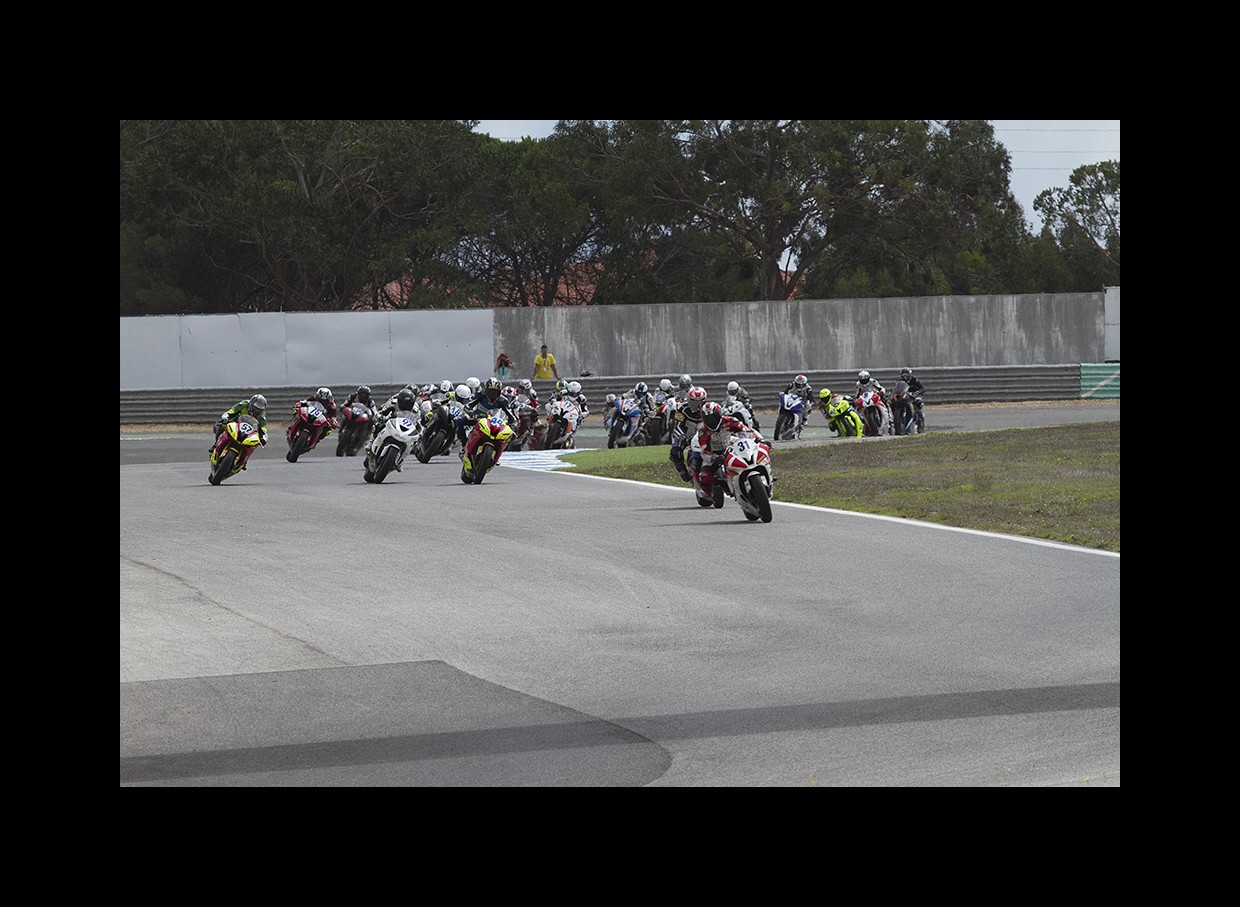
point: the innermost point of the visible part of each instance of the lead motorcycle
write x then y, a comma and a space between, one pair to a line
747, 470
486, 442
355, 423
237, 440
388, 448
307, 427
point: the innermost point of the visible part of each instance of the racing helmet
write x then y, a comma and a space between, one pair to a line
733, 388
906, 373
323, 395
258, 404
610, 399
463, 393
574, 388
641, 388
824, 394
697, 395
666, 385
445, 386
510, 392
473, 384
800, 382
686, 382
863, 377
406, 399
363, 394
712, 416
526, 385
493, 389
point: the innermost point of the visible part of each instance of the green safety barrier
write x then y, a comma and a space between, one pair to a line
1100, 380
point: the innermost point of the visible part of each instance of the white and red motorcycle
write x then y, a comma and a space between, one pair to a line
747, 470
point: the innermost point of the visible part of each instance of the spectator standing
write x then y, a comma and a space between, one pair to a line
503, 368
544, 366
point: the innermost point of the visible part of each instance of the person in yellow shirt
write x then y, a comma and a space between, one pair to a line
544, 365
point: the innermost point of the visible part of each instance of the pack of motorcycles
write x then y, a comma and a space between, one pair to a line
742, 467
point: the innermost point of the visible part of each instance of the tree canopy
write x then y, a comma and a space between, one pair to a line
324, 215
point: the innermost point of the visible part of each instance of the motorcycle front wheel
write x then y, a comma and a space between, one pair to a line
781, 425
761, 500
483, 460
342, 445
299, 446
223, 469
387, 462
553, 435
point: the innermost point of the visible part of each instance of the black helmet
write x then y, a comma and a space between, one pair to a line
906, 373
405, 400
641, 387
493, 389
363, 393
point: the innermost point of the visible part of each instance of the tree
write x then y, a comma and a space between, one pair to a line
1084, 220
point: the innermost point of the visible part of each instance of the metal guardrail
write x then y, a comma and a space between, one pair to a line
987, 384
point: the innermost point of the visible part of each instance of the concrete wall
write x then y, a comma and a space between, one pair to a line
343, 349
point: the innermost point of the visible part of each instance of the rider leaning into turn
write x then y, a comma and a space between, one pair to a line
325, 399
736, 390
255, 406
705, 457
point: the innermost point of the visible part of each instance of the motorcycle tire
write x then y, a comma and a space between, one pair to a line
614, 435
223, 469
299, 446
705, 502
553, 435
781, 425
422, 446
484, 459
387, 462
717, 496
761, 499
342, 445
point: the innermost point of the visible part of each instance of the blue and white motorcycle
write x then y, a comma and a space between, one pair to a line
791, 418
626, 425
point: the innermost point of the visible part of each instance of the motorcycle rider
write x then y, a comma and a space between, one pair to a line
324, 397
915, 387
737, 391
645, 399
361, 395
686, 422
611, 407
866, 382
666, 386
800, 386
702, 458
491, 400
255, 406
683, 387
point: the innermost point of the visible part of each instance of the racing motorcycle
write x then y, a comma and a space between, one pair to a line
626, 425
387, 449
747, 470
355, 421
874, 413
438, 429
562, 419
843, 419
659, 424
906, 412
791, 418
233, 447
486, 442
737, 410
307, 427
530, 429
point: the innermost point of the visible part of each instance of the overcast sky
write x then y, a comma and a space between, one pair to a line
1044, 152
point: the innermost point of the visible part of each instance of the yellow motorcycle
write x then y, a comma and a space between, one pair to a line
486, 442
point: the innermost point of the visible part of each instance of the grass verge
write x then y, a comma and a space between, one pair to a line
1059, 483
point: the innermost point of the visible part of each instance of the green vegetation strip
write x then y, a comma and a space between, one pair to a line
1059, 483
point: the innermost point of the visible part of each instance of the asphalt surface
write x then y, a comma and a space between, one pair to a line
296, 626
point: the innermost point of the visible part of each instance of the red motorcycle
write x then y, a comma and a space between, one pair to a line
355, 422
486, 442
530, 429
233, 447
310, 422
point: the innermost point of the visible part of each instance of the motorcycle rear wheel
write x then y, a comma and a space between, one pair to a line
717, 496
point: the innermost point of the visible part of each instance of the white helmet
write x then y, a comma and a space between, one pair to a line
733, 387
464, 393
611, 398
574, 388
473, 383
666, 385
445, 386
686, 382
863, 377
